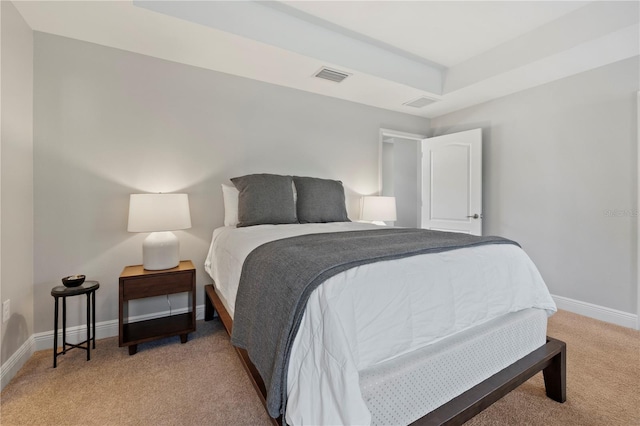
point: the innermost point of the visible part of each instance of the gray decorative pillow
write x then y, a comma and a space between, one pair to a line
265, 199
320, 200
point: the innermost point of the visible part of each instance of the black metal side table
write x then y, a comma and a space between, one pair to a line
89, 288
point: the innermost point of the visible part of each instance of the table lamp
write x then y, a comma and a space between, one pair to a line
377, 209
159, 214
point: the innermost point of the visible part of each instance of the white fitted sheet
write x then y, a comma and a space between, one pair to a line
374, 313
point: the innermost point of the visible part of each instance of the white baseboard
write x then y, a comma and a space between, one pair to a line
11, 367
104, 329
44, 340
75, 334
598, 312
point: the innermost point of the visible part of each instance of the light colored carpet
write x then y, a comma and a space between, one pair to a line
203, 383
603, 380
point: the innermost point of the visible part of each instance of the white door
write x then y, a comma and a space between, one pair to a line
452, 182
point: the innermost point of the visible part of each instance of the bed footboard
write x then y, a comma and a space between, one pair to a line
550, 359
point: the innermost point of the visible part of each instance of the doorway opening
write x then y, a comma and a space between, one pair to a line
399, 174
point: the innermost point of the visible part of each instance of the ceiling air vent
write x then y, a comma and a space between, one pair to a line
331, 75
420, 102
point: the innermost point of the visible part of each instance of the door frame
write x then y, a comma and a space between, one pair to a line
637, 212
417, 138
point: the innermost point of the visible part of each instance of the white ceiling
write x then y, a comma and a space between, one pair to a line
458, 30
459, 53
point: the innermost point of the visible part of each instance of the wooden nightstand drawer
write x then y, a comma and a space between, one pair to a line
136, 288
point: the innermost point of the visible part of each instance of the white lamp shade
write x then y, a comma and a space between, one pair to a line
378, 208
158, 212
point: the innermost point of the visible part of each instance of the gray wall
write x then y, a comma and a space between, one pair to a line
109, 123
560, 176
16, 179
400, 178
387, 171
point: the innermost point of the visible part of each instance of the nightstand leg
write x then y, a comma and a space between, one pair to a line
183, 338
55, 335
88, 328
64, 325
133, 349
93, 317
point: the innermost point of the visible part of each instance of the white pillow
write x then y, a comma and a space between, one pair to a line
230, 199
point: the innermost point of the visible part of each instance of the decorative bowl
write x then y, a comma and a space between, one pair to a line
73, 280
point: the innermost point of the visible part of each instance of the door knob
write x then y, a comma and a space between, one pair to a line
475, 216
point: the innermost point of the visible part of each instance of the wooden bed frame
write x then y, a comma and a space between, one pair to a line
550, 359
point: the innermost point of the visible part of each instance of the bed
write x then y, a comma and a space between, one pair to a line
427, 338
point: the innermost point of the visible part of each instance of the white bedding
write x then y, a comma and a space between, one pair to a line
374, 313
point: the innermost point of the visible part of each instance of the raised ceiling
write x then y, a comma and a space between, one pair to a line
456, 53
444, 32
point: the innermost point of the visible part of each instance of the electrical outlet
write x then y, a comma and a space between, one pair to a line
6, 310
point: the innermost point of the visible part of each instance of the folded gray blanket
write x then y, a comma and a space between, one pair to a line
278, 277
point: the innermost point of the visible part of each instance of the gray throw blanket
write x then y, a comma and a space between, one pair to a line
278, 277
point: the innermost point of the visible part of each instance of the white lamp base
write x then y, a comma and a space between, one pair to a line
378, 222
160, 250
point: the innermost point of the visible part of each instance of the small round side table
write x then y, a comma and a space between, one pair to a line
89, 288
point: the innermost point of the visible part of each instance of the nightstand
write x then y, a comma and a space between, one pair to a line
137, 283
